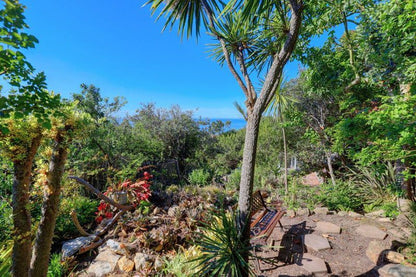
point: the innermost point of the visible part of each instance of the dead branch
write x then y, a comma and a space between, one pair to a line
76, 223
101, 195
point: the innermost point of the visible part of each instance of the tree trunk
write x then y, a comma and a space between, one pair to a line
22, 247
285, 161
44, 235
329, 163
247, 177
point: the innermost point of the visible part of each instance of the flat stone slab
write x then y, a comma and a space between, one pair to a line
327, 227
321, 210
71, 247
316, 242
100, 268
396, 270
313, 264
370, 231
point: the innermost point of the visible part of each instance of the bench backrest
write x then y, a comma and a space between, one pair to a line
257, 203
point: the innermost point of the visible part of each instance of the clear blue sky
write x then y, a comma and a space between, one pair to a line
118, 47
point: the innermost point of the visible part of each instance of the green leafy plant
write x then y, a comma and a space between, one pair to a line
199, 177
83, 206
182, 263
56, 267
6, 259
344, 196
6, 221
222, 249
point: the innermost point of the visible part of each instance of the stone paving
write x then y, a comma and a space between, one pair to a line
348, 244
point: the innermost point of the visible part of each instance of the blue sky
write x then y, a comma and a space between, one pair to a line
118, 47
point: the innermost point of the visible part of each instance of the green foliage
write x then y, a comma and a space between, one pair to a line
222, 250
390, 209
56, 267
199, 177
85, 209
27, 91
344, 196
6, 258
181, 264
6, 220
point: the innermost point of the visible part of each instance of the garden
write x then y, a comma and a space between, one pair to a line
163, 192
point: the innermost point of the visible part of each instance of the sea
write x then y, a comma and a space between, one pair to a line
236, 123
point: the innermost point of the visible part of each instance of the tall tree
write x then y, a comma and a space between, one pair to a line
253, 38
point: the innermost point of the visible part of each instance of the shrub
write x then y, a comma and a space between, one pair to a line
85, 209
199, 177
6, 221
56, 267
345, 196
233, 181
182, 263
222, 249
6, 258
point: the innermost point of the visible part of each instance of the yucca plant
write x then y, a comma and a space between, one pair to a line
378, 184
222, 249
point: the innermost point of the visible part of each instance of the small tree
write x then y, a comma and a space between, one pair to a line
257, 37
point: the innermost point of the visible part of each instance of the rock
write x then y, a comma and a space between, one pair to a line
316, 242
71, 247
321, 210
327, 227
375, 251
404, 204
402, 221
371, 232
393, 257
378, 213
125, 264
396, 270
290, 213
103, 264
342, 213
384, 219
142, 261
303, 211
158, 264
114, 246
354, 214
100, 268
398, 234
313, 264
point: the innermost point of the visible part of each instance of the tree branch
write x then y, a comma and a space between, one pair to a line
101, 195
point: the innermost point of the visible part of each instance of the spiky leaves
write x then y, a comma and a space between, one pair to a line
188, 14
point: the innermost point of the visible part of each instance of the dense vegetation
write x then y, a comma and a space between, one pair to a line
349, 115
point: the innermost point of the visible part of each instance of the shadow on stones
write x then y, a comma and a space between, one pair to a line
291, 247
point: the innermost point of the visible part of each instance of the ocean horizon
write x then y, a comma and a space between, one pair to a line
236, 123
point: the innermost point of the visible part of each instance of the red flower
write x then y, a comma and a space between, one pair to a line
108, 214
99, 219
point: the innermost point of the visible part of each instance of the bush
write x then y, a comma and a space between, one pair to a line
85, 209
182, 263
222, 249
199, 177
56, 267
233, 181
344, 196
6, 220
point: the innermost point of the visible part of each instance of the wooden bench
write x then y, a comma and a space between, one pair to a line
263, 219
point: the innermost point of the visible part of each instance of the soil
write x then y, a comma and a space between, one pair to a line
346, 257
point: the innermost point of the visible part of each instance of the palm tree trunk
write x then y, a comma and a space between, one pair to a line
247, 177
22, 246
44, 235
285, 159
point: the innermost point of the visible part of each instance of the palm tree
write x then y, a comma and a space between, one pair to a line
252, 36
277, 107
